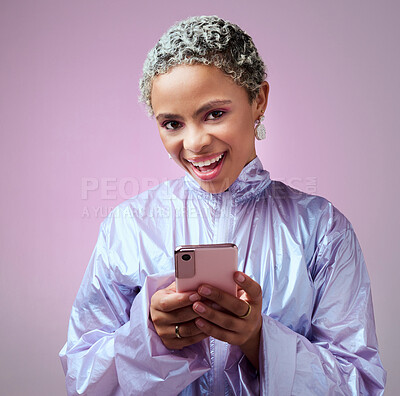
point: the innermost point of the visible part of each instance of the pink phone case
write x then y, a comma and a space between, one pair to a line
211, 264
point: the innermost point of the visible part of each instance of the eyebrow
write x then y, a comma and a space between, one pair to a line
205, 107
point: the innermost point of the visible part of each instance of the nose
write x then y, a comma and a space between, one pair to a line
196, 139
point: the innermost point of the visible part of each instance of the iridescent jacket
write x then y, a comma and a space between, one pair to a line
318, 332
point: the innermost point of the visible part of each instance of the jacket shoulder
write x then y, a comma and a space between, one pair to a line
313, 210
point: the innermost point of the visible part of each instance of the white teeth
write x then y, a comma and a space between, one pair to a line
208, 162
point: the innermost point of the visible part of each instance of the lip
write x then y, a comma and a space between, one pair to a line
212, 174
202, 159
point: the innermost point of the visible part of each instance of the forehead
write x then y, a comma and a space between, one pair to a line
192, 85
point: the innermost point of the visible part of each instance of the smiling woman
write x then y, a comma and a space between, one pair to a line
301, 322
209, 134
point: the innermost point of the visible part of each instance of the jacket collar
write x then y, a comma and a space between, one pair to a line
252, 180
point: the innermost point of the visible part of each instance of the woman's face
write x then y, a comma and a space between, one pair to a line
206, 123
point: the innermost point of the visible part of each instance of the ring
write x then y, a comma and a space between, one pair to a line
248, 311
177, 332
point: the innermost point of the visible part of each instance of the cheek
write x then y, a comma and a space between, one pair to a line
243, 125
239, 136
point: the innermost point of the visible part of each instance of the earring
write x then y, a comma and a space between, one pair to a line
169, 155
259, 130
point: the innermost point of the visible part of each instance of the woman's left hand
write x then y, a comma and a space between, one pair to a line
240, 321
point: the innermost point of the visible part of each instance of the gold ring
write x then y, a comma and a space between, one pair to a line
248, 311
177, 332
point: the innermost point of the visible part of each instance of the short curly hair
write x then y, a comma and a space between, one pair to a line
207, 40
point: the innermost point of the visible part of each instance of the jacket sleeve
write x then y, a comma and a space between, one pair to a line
112, 347
341, 355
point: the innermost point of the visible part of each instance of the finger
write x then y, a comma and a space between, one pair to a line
250, 286
172, 301
176, 343
182, 315
228, 302
186, 330
221, 319
217, 332
213, 305
161, 319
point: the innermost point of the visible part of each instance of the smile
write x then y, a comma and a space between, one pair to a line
207, 162
209, 168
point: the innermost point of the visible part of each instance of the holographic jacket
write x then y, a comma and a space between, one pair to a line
318, 332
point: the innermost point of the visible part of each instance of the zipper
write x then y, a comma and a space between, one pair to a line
219, 365
222, 232
219, 347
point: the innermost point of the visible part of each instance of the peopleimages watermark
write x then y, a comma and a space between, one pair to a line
112, 190
307, 184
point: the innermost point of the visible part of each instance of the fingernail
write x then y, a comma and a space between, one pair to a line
199, 308
240, 278
205, 290
194, 297
200, 323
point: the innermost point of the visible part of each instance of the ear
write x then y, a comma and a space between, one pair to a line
261, 100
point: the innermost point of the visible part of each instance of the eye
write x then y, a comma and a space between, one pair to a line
171, 125
215, 114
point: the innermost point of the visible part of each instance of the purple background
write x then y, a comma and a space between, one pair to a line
69, 120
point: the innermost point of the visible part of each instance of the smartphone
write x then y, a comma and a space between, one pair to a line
212, 264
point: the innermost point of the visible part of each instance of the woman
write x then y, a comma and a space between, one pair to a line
303, 324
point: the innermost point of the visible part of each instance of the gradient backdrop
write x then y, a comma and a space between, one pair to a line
75, 143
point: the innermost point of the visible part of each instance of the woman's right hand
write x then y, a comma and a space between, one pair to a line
169, 309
